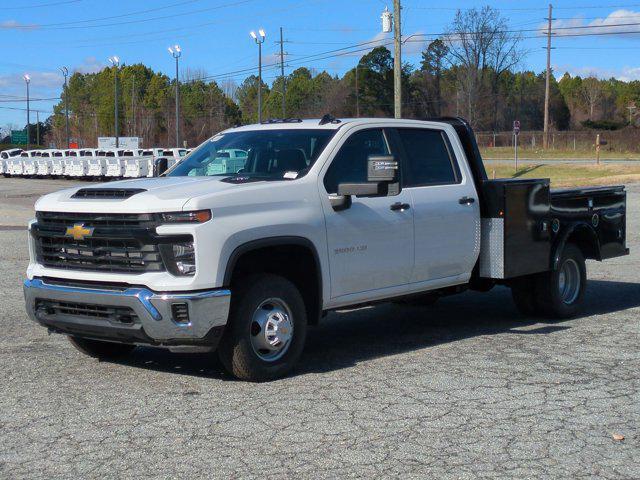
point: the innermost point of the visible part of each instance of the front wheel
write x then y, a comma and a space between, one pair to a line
101, 350
266, 331
560, 293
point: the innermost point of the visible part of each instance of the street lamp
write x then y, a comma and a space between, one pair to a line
65, 72
259, 39
175, 51
27, 80
115, 61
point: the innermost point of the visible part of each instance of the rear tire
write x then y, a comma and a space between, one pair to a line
101, 350
560, 292
267, 329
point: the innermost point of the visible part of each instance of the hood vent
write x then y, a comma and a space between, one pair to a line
107, 193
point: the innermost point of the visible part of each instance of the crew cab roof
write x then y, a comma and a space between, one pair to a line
314, 123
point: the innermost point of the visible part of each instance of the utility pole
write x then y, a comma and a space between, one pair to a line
176, 52
115, 61
65, 72
545, 138
38, 127
631, 108
284, 87
259, 41
357, 95
397, 60
27, 79
133, 107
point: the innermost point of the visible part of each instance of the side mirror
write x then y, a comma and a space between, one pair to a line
382, 168
160, 166
382, 174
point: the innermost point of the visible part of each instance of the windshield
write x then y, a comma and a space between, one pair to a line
268, 154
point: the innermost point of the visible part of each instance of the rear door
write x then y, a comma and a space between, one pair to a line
370, 244
445, 206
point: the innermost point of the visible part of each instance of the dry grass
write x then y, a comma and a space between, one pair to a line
565, 175
506, 153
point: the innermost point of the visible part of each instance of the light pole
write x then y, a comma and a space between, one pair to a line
392, 22
115, 61
27, 80
65, 72
259, 39
176, 52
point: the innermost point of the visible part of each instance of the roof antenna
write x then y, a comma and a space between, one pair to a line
328, 118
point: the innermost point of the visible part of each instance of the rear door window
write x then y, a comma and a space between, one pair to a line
429, 157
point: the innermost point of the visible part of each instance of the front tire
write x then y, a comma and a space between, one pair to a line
101, 350
267, 329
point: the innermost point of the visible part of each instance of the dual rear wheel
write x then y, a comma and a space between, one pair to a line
558, 293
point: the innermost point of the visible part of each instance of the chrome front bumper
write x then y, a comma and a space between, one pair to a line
154, 323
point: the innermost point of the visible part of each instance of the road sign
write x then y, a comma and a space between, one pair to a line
516, 127
19, 137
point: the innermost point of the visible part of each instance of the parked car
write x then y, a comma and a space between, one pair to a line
326, 214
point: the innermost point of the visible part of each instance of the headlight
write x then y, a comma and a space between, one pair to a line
198, 216
179, 258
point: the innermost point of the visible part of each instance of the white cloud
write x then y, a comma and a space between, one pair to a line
625, 74
615, 23
15, 25
89, 65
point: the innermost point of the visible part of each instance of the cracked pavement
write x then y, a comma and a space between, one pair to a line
467, 388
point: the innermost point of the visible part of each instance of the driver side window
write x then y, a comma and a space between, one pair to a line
350, 163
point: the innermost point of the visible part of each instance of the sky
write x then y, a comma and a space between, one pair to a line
40, 36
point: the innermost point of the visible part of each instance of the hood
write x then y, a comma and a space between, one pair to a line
163, 194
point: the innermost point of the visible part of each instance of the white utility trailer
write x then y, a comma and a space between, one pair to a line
97, 165
137, 162
5, 157
115, 163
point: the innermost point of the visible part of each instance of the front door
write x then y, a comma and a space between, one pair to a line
371, 243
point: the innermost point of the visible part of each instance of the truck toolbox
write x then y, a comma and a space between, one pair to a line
515, 228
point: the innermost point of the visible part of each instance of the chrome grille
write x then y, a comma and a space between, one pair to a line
118, 242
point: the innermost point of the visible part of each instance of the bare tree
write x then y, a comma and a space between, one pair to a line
592, 92
483, 48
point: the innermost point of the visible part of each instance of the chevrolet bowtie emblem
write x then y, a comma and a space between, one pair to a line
79, 231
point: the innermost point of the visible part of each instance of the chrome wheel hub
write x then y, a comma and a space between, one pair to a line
271, 330
569, 281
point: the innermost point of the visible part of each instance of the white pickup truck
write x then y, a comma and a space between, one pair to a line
324, 214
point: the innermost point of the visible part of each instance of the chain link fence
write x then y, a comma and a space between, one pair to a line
620, 141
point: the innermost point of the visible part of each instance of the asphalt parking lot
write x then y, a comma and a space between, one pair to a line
467, 388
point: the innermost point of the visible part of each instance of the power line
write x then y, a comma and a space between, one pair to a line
23, 7
124, 15
70, 25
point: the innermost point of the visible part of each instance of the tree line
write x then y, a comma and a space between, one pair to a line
470, 71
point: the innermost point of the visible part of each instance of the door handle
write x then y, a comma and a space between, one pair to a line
399, 207
466, 200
